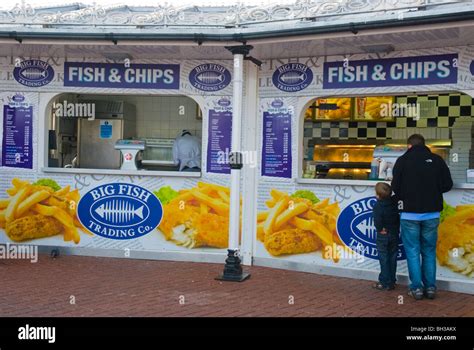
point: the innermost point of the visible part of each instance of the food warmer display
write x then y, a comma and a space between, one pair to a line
346, 160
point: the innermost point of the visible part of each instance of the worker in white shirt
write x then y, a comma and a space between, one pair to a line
187, 152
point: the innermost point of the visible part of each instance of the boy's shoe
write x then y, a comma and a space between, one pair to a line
430, 292
380, 286
416, 293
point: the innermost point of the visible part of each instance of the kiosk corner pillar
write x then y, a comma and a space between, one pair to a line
233, 269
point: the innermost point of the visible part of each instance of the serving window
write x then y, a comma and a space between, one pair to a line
121, 133
336, 146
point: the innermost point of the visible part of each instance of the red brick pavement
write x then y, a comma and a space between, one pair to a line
126, 287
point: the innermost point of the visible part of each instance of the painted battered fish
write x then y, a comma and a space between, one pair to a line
33, 226
292, 241
189, 228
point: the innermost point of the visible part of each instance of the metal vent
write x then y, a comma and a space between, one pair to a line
114, 107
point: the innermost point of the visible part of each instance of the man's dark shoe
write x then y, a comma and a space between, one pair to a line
430, 293
416, 293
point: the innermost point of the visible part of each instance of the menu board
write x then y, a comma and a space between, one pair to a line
276, 153
17, 149
219, 141
371, 108
340, 108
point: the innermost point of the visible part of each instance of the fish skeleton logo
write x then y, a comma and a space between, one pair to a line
292, 77
210, 77
120, 211
355, 227
33, 73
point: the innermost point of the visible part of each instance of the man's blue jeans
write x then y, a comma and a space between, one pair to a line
419, 238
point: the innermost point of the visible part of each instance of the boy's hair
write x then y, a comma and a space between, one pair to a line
416, 140
383, 190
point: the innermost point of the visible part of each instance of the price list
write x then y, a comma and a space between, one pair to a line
276, 157
17, 142
219, 141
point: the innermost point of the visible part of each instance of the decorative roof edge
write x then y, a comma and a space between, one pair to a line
236, 16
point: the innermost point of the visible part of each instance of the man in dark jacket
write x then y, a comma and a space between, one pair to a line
419, 180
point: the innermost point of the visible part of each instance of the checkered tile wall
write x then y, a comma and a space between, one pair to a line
438, 114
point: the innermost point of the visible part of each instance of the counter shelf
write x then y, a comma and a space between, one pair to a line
121, 172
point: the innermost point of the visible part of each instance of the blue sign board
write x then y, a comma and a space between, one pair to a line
17, 145
276, 152
105, 129
399, 71
116, 75
219, 141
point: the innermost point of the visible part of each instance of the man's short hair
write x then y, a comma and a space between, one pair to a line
185, 132
416, 140
383, 190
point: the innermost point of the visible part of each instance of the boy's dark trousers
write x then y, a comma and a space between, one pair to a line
387, 246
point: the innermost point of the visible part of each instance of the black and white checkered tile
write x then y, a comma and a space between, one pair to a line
437, 111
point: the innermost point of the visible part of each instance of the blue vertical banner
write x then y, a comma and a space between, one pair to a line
17, 145
219, 141
276, 152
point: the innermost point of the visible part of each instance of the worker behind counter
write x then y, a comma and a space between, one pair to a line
187, 152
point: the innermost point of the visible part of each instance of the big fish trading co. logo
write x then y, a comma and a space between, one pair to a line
292, 77
18, 98
210, 77
355, 226
277, 103
33, 73
120, 211
224, 102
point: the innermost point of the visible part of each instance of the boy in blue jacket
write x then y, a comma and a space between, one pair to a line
387, 224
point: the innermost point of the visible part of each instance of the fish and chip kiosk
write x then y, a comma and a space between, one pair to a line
88, 130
